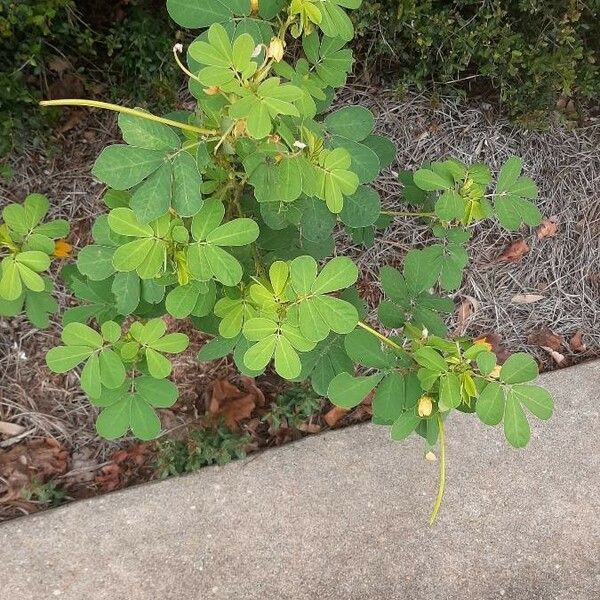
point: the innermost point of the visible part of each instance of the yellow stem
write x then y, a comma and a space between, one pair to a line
442, 475
127, 111
380, 336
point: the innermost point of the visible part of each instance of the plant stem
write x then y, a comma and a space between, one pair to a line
381, 337
176, 50
395, 213
442, 474
127, 111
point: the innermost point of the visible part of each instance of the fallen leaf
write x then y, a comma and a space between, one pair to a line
547, 229
526, 298
576, 342
498, 347
514, 251
10, 429
468, 307
545, 337
556, 356
75, 117
309, 427
38, 460
333, 416
109, 478
231, 404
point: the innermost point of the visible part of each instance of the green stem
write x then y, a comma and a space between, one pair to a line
381, 337
442, 474
127, 111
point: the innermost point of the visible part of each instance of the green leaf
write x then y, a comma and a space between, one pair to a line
490, 404
535, 398
404, 425
202, 13
224, 267
303, 273
126, 290
207, 219
383, 147
389, 399
450, 206
144, 133
287, 362
365, 349
112, 370
450, 396
486, 362
339, 273
519, 368
152, 199
187, 199
238, 232
257, 357
347, 391
124, 222
172, 343
111, 331
64, 358
181, 300
78, 334
258, 328
516, 427
160, 393
362, 208
113, 421
34, 260
121, 167
339, 315
11, 287
352, 122
90, 377
132, 255
509, 173
144, 422
429, 181
95, 262
430, 359
158, 366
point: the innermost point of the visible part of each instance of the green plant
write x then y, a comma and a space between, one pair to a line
44, 493
528, 52
226, 214
293, 407
213, 445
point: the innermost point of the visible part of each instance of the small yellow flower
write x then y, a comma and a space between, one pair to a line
483, 342
425, 406
275, 50
496, 372
213, 90
62, 249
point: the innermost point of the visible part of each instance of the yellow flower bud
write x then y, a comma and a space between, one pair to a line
275, 50
483, 342
213, 90
496, 372
239, 128
62, 249
254, 6
425, 406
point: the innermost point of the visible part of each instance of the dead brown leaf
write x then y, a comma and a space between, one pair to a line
547, 229
526, 298
576, 342
334, 416
514, 251
38, 460
309, 427
498, 346
556, 356
109, 478
75, 117
468, 307
10, 429
231, 404
59, 65
545, 337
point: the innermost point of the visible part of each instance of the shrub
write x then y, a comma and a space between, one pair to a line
226, 214
100, 42
530, 51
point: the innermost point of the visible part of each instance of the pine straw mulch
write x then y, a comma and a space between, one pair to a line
46, 423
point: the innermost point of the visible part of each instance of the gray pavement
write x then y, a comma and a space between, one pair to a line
342, 516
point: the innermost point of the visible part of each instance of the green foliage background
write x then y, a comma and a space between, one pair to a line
528, 51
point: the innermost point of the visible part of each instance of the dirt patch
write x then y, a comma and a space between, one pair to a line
543, 297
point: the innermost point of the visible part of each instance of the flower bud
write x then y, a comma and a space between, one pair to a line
253, 6
425, 407
62, 249
275, 50
213, 90
495, 372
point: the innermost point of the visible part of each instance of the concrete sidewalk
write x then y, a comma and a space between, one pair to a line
342, 516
